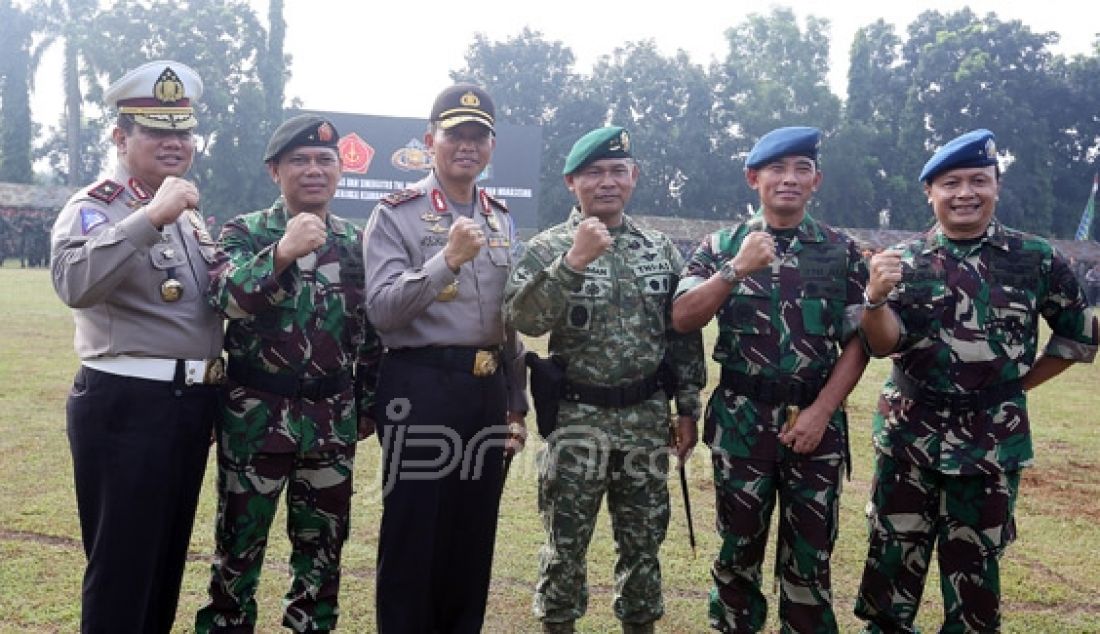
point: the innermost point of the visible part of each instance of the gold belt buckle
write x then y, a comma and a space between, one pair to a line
485, 363
215, 372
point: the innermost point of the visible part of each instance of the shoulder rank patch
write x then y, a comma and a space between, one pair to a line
139, 190
90, 218
487, 200
401, 197
105, 192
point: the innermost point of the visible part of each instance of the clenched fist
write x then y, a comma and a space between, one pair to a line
590, 241
174, 196
464, 241
305, 233
757, 251
885, 269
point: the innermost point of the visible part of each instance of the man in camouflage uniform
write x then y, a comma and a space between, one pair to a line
958, 309
301, 354
602, 286
787, 292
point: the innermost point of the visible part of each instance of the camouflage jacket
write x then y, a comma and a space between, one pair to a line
308, 322
613, 321
784, 322
969, 318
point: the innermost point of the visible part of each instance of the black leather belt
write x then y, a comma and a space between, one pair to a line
480, 362
972, 401
621, 396
773, 391
313, 389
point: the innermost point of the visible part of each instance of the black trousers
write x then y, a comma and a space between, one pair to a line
442, 433
139, 451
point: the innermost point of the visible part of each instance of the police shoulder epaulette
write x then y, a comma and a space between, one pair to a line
106, 191
496, 202
405, 195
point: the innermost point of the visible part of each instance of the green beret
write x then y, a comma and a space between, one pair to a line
304, 130
601, 143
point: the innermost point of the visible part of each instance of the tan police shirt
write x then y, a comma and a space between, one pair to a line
413, 297
109, 264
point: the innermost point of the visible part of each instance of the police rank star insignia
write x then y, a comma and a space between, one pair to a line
106, 191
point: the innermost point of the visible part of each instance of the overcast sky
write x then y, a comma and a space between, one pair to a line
391, 58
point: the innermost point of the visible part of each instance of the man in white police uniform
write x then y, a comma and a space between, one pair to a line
129, 255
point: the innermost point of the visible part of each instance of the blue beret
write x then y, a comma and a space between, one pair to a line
973, 149
601, 143
304, 130
793, 141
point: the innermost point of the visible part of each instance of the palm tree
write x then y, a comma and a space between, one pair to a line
69, 22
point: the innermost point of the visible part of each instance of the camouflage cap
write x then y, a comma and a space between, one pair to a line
304, 130
158, 95
976, 148
789, 141
601, 143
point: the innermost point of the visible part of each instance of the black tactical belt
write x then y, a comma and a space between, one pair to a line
480, 362
622, 396
973, 401
313, 389
772, 391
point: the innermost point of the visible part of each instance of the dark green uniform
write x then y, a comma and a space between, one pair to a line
779, 335
951, 429
299, 346
611, 323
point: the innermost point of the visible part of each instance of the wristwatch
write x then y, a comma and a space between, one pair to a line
729, 273
869, 305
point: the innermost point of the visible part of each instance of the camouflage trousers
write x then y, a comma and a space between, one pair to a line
574, 475
968, 518
318, 490
809, 501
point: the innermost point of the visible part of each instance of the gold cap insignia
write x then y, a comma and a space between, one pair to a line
470, 100
325, 133
990, 149
168, 87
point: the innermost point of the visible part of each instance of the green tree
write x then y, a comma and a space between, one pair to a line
1077, 146
665, 103
859, 160
273, 67
227, 46
532, 83
70, 24
775, 74
16, 27
967, 73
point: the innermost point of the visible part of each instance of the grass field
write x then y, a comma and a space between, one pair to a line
1051, 580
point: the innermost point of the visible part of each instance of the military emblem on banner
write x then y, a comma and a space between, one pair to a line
355, 153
